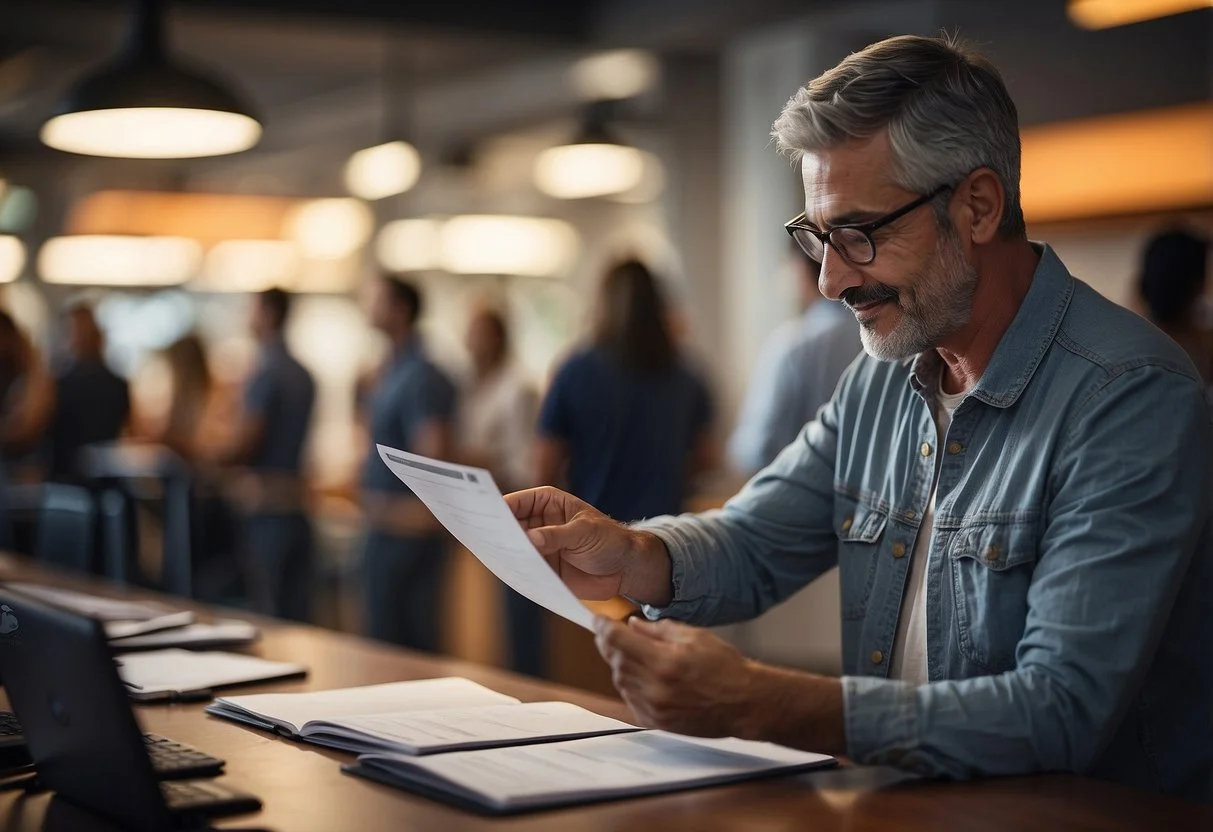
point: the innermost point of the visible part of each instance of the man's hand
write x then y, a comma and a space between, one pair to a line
678, 678
596, 556
688, 680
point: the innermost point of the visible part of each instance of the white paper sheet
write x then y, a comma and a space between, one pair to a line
168, 671
468, 503
484, 724
223, 631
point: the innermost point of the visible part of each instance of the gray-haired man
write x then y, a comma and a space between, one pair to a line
1015, 481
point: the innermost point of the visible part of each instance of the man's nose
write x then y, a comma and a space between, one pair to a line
837, 275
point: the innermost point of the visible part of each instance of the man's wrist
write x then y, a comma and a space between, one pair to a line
791, 708
648, 575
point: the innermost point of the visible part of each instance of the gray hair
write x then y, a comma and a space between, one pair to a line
946, 109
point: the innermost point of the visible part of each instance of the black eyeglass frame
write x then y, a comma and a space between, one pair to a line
797, 223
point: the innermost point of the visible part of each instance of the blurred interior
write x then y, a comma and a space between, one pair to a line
415, 139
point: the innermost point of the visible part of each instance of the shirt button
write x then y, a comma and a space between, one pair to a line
846, 524
993, 552
899, 550
926, 448
955, 447
877, 657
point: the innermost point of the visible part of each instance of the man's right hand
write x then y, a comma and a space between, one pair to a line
596, 556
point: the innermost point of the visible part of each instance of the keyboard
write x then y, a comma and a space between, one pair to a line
173, 760
187, 797
9, 726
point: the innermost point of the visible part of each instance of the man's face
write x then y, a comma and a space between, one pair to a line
380, 308
920, 286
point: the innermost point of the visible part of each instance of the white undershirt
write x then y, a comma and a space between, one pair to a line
909, 662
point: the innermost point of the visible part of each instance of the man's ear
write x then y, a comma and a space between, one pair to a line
982, 196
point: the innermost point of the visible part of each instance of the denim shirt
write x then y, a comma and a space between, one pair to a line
1069, 605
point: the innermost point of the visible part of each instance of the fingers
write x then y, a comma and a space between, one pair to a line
617, 641
665, 629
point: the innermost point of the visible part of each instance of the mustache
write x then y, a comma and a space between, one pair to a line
864, 295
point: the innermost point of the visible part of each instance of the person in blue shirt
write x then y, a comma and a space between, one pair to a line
268, 448
1015, 481
625, 421
412, 408
797, 370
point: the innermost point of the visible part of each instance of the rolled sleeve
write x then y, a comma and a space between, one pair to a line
881, 719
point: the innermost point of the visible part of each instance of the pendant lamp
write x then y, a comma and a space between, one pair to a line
144, 105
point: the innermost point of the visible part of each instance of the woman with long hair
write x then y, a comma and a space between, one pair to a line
626, 421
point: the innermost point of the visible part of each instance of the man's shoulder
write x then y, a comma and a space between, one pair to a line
1107, 339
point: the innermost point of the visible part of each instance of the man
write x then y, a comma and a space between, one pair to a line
1015, 481
278, 403
412, 408
796, 372
92, 403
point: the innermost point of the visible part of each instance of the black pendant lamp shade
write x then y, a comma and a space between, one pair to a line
143, 105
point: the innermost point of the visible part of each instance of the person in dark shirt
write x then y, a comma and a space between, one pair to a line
92, 403
626, 421
278, 401
412, 408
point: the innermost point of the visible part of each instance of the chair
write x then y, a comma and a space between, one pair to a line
67, 527
118, 536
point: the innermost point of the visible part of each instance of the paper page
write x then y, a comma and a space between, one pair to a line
297, 709
222, 631
183, 670
501, 723
468, 503
619, 763
126, 629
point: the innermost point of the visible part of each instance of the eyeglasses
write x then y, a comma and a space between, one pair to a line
853, 242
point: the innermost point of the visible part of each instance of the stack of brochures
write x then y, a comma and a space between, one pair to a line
143, 625
457, 741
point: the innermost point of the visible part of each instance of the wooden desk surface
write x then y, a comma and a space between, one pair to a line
303, 790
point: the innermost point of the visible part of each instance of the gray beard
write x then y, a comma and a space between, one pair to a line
939, 303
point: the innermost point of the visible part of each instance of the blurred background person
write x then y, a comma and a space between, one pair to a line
268, 445
92, 402
496, 429
1174, 275
798, 367
411, 407
193, 402
27, 400
626, 423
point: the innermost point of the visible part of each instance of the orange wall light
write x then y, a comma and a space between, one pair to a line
1133, 163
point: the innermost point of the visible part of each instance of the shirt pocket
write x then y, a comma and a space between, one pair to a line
859, 529
992, 569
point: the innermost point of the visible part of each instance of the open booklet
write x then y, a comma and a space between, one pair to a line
425, 716
505, 780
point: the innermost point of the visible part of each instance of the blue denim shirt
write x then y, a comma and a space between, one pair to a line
1070, 572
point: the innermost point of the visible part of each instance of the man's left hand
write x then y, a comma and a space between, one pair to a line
680, 678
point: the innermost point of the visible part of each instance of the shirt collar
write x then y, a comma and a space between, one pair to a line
1022, 346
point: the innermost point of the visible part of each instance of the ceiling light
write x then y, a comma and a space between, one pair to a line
577, 171
383, 170
331, 229
104, 260
620, 73
409, 245
249, 266
506, 245
142, 105
12, 258
595, 163
1104, 14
